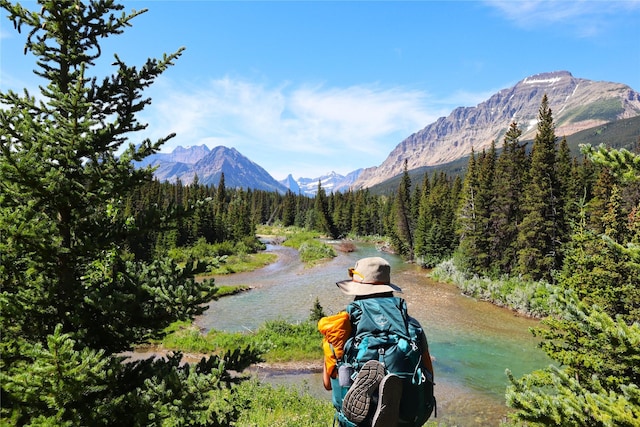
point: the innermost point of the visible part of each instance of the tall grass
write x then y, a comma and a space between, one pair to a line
312, 251
280, 406
288, 341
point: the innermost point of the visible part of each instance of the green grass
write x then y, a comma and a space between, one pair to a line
605, 109
280, 406
314, 251
311, 250
278, 230
290, 342
241, 264
228, 290
298, 239
223, 258
280, 341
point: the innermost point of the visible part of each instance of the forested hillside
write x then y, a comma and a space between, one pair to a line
618, 134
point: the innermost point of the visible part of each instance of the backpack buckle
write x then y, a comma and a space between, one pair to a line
381, 356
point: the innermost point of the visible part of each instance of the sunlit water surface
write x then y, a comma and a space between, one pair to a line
473, 342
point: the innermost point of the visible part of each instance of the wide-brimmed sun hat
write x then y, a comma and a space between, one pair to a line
369, 276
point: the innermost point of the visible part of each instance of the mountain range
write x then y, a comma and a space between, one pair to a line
577, 104
185, 164
331, 182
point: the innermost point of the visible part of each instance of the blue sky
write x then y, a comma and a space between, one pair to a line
306, 87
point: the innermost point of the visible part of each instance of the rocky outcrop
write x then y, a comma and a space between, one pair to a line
576, 104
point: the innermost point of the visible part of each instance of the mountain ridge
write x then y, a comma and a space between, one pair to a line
209, 165
576, 104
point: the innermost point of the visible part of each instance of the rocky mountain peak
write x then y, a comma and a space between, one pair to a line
576, 104
239, 171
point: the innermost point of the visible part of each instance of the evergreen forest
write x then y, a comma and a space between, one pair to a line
86, 238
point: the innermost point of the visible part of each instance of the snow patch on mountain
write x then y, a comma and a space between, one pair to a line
331, 182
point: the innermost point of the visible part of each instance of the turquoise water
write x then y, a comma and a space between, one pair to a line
473, 342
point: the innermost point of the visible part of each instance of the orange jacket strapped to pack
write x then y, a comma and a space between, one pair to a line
336, 330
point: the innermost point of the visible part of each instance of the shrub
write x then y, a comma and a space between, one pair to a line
314, 250
527, 297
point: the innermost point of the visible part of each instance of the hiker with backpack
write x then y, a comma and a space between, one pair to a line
376, 357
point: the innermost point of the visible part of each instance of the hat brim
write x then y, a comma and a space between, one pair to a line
350, 287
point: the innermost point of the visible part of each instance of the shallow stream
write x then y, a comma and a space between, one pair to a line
473, 342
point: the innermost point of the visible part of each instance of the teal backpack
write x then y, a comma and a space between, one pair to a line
382, 330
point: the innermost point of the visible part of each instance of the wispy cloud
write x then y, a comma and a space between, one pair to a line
586, 18
306, 130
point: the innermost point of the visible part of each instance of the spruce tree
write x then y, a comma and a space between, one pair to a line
73, 297
475, 212
289, 209
435, 232
594, 381
487, 192
423, 222
468, 226
506, 215
567, 199
402, 232
323, 215
539, 232
220, 203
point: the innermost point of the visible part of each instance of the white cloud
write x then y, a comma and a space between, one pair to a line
306, 130
586, 18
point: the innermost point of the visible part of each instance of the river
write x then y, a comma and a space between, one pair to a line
473, 342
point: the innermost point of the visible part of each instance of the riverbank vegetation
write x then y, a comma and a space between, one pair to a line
97, 257
310, 249
277, 341
526, 297
227, 257
280, 406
